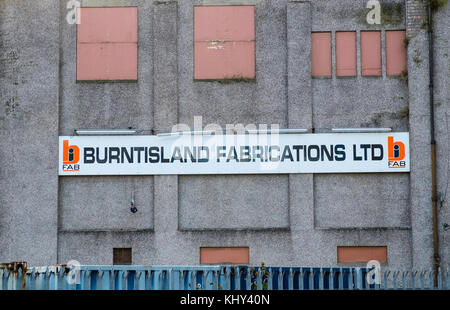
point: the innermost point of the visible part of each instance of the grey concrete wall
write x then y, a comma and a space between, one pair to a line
359, 200
292, 220
242, 201
90, 105
276, 248
263, 102
237, 202
362, 201
29, 95
442, 115
103, 203
419, 120
203, 204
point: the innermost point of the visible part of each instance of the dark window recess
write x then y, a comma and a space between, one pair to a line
122, 256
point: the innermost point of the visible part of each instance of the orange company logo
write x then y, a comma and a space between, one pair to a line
71, 157
396, 153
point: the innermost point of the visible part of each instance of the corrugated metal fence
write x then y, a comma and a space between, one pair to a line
18, 277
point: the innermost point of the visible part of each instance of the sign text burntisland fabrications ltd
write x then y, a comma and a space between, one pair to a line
234, 154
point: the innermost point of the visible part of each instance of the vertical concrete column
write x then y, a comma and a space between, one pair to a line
299, 100
29, 130
165, 79
165, 100
442, 126
419, 127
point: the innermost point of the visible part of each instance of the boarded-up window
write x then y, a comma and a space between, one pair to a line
321, 54
122, 256
224, 42
224, 255
371, 53
361, 254
395, 52
107, 44
346, 53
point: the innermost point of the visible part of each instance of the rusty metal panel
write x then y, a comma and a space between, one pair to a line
122, 256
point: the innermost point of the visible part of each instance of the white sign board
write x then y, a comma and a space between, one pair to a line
234, 154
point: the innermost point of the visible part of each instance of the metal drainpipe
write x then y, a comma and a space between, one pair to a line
434, 197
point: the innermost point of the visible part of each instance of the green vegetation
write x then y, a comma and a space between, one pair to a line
436, 4
416, 58
229, 80
404, 113
264, 274
392, 14
406, 41
404, 76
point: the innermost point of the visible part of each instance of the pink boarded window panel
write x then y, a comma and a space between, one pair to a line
234, 23
107, 44
224, 42
371, 53
224, 60
395, 52
105, 61
98, 25
321, 54
224, 255
346, 53
360, 254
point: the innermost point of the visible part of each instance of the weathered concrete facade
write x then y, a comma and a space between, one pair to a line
297, 219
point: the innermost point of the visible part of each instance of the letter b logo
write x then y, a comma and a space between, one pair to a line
396, 150
71, 153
